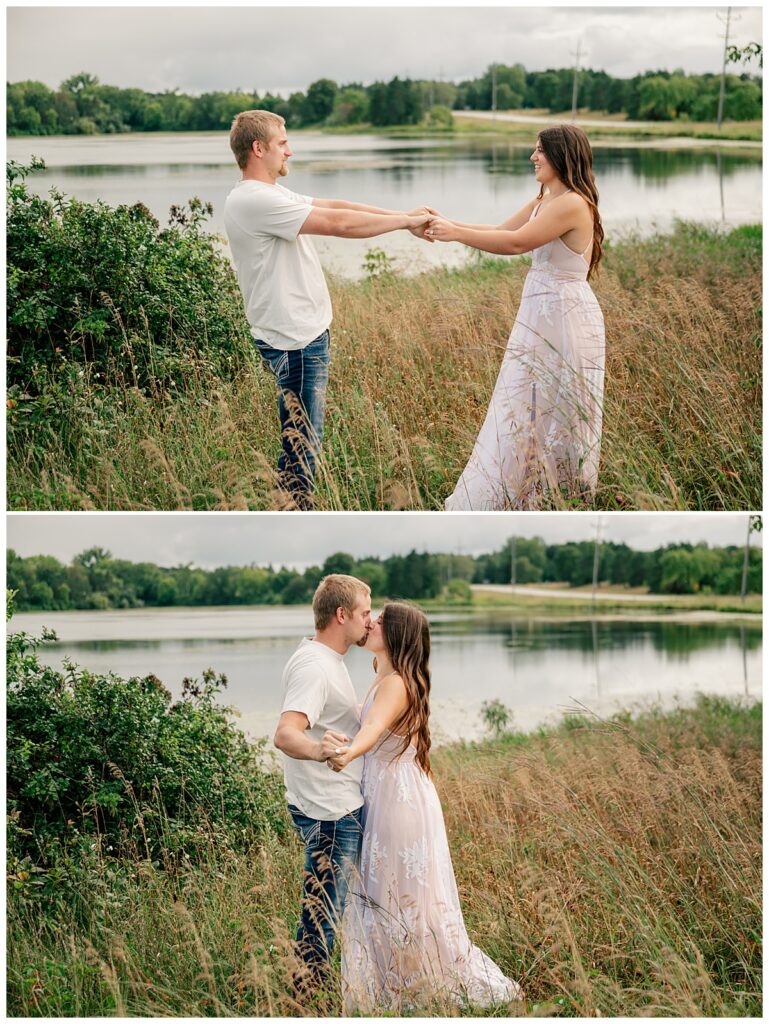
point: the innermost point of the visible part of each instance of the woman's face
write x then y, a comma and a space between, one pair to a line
543, 169
375, 642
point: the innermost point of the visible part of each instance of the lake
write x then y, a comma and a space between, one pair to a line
641, 188
536, 666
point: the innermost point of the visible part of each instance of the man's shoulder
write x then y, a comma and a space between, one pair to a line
307, 656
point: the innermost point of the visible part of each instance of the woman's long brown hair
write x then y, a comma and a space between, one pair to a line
406, 635
568, 150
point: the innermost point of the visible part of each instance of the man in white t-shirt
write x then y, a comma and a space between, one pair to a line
320, 714
284, 291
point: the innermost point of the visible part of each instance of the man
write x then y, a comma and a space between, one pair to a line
319, 715
285, 294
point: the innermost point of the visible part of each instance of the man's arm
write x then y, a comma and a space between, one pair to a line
358, 223
291, 739
342, 204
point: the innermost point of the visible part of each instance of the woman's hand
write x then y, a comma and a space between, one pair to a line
441, 230
339, 759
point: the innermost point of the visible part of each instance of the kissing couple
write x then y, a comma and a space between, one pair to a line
377, 868
540, 441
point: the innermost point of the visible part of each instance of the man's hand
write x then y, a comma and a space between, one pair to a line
420, 211
331, 743
418, 221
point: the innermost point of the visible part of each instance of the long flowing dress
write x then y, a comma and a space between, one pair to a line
403, 937
542, 433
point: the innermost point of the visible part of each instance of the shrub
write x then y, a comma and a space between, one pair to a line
94, 286
458, 591
99, 766
496, 717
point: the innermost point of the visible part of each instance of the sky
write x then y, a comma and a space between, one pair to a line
284, 48
297, 541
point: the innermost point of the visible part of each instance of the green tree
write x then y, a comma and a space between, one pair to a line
319, 101
350, 107
339, 562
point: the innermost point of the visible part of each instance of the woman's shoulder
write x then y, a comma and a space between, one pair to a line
392, 682
575, 201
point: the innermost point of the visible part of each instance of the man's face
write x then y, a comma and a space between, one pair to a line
358, 622
275, 154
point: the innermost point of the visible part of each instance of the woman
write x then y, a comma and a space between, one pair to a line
541, 437
403, 937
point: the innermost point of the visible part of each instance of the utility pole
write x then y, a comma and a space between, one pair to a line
596, 554
512, 565
745, 562
576, 82
494, 89
722, 90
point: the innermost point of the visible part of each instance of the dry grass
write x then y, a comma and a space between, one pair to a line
614, 870
414, 361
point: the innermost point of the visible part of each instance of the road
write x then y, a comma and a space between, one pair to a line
584, 595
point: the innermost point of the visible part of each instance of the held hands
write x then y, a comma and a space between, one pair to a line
418, 220
331, 743
340, 759
438, 229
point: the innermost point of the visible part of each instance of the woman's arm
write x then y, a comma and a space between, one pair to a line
517, 220
389, 704
554, 220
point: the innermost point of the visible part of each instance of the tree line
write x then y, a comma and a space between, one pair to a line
82, 105
96, 580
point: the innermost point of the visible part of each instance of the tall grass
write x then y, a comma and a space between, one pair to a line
414, 361
614, 869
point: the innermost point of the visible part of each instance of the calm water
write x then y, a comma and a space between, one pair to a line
537, 667
474, 180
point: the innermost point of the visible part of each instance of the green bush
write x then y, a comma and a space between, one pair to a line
458, 591
89, 285
105, 768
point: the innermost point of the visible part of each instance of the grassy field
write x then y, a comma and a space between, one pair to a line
613, 127
414, 361
581, 601
613, 868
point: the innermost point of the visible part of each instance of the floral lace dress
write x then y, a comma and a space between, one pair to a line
542, 432
403, 937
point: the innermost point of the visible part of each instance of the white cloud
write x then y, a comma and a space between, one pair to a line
276, 48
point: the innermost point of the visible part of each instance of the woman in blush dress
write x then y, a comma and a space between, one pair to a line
540, 441
403, 937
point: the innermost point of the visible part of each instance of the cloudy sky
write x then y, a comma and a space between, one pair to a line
285, 48
209, 540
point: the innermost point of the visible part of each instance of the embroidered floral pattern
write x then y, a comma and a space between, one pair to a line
415, 859
403, 935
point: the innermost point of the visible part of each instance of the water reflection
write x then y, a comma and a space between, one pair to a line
537, 666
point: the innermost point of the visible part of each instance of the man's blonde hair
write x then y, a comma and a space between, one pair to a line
336, 591
252, 126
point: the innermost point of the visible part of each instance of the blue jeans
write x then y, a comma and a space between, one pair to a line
332, 851
301, 376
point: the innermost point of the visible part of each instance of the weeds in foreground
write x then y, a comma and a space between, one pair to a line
414, 361
613, 868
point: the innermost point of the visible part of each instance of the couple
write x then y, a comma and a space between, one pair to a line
540, 440
377, 867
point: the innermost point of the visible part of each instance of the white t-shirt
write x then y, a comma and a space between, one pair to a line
284, 290
317, 683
